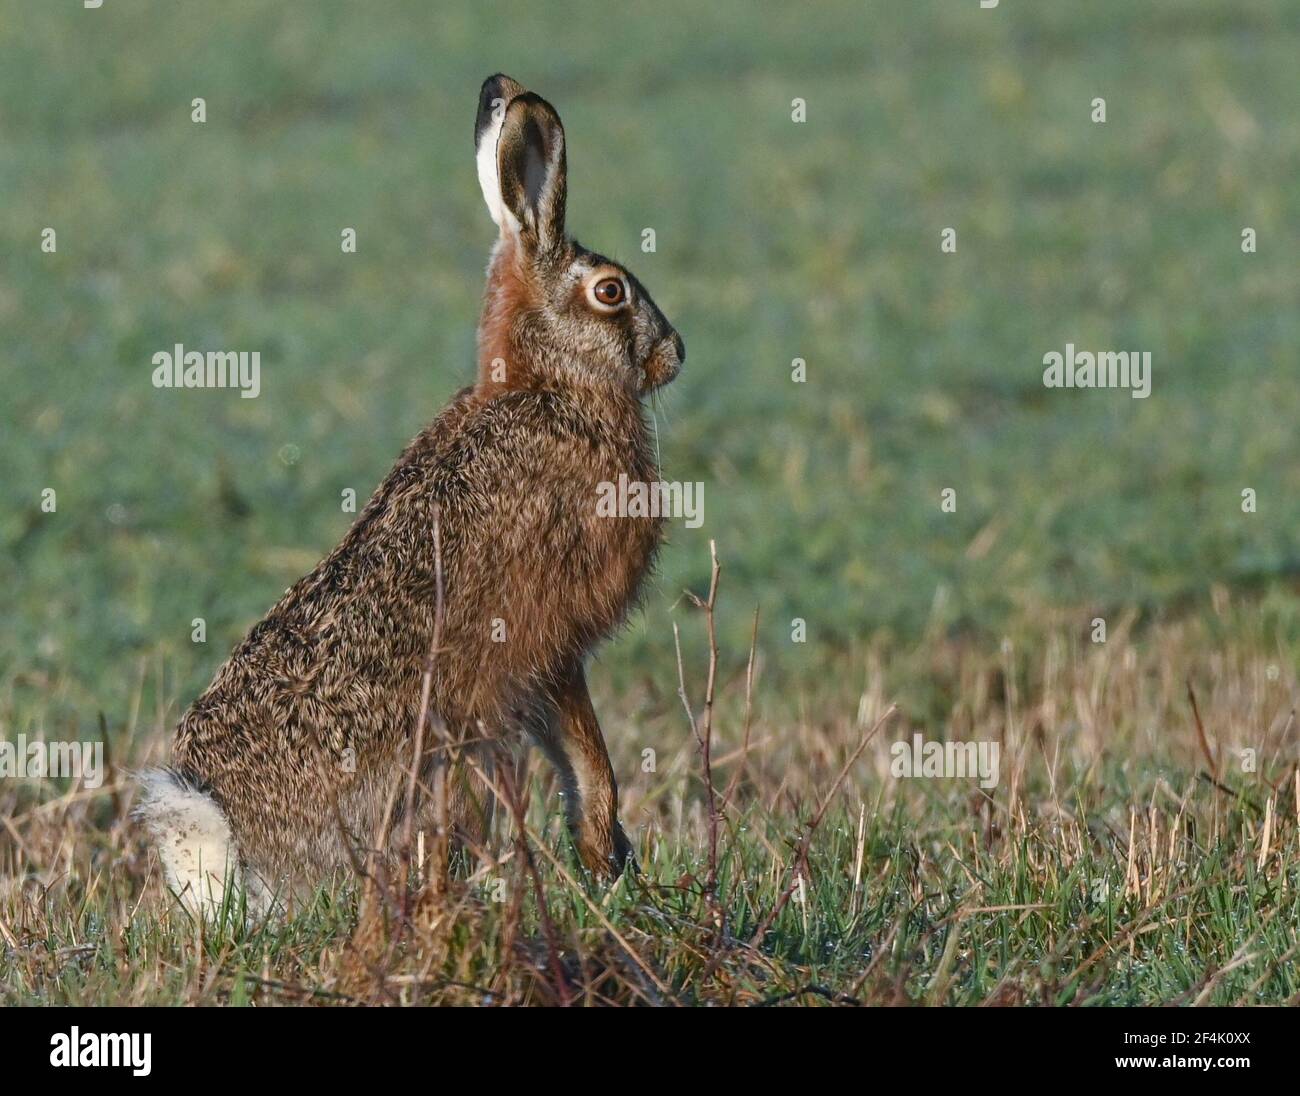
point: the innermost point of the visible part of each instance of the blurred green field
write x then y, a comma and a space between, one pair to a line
775, 241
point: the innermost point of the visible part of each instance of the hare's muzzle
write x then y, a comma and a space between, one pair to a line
665, 362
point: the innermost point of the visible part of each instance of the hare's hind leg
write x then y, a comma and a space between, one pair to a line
574, 744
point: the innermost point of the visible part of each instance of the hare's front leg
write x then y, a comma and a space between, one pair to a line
573, 743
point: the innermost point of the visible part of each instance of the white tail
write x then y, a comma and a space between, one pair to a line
199, 855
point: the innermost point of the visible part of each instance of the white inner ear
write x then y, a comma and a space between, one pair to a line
488, 180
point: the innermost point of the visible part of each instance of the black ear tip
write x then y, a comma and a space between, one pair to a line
491, 88
488, 94
496, 88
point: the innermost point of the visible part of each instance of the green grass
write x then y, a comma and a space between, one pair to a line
1107, 867
775, 241
1029, 944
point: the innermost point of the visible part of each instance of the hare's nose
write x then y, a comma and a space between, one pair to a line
680, 347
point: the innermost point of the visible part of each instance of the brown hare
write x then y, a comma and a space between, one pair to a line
310, 720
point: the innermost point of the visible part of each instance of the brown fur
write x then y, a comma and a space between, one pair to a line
318, 703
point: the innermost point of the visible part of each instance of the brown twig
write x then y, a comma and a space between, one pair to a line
1210, 758
115, 790
704, 731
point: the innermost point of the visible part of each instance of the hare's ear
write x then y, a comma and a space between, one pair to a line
531, 171
493, 98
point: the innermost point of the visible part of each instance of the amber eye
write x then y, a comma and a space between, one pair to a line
609, 291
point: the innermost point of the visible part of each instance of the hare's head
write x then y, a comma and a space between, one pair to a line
554, 313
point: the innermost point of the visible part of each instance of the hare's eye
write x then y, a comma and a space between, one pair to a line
609, 291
